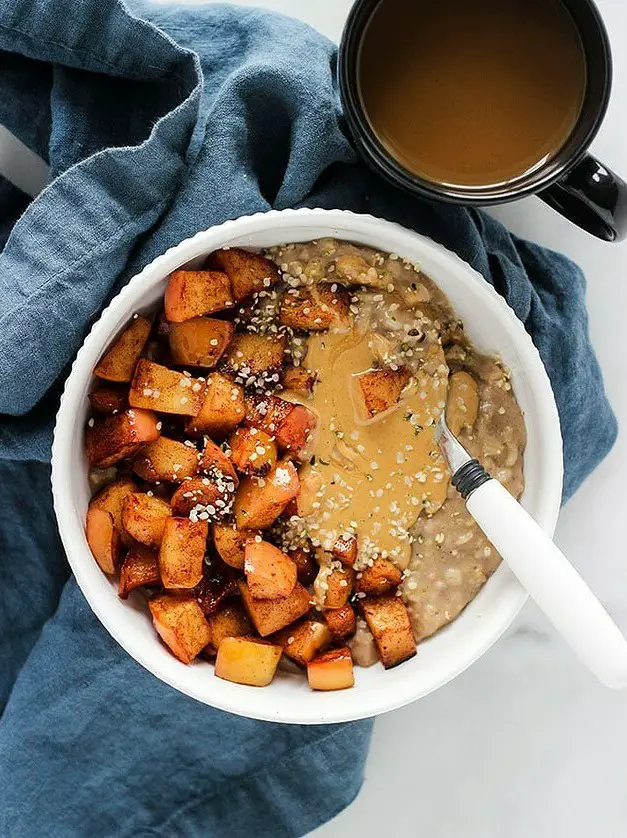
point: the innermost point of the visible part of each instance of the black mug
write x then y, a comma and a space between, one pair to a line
573, 182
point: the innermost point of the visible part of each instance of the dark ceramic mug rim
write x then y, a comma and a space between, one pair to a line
598, 88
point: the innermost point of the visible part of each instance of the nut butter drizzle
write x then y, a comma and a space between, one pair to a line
372, 478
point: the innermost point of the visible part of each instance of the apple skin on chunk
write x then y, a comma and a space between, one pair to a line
103, 539
332, 670
292, 425
296, 432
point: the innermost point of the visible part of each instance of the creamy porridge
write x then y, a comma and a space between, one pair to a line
384, 479
264, 465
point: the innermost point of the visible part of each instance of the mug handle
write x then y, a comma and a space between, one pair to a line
593, 197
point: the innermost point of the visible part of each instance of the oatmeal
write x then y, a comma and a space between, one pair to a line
384, 479
264, 465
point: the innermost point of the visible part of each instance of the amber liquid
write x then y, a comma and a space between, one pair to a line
472, 93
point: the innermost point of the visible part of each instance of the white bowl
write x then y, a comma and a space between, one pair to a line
491, 325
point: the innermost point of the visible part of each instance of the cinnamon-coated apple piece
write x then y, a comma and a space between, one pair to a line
139, 569
254, 358
247, 660
342, 622
253, 451
182, 552
194, 293
103, 539
300, 380
230, 621
222, 410
260, 500
204, 497
111, 498
270, 615
345, 549
249, 273
109, 440
388, 620
109, 400
231, 542
166, 460
144, 517
377, 391
315, 309
270, 573
118, 362
303, 640
181, 624
214, 460
156, 387
381, 577
332, 670
199, 342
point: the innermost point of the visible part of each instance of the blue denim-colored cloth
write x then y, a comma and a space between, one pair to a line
151, 137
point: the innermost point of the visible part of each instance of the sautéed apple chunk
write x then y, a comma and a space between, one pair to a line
287, 490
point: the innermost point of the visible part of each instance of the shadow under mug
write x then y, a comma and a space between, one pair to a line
573, 182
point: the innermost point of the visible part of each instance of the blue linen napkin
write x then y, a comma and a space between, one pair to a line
151, 137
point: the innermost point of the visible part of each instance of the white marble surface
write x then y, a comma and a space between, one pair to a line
525, 743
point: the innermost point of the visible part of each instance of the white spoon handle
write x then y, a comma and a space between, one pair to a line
552, 582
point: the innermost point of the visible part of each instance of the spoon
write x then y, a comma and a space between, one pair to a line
541, 568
